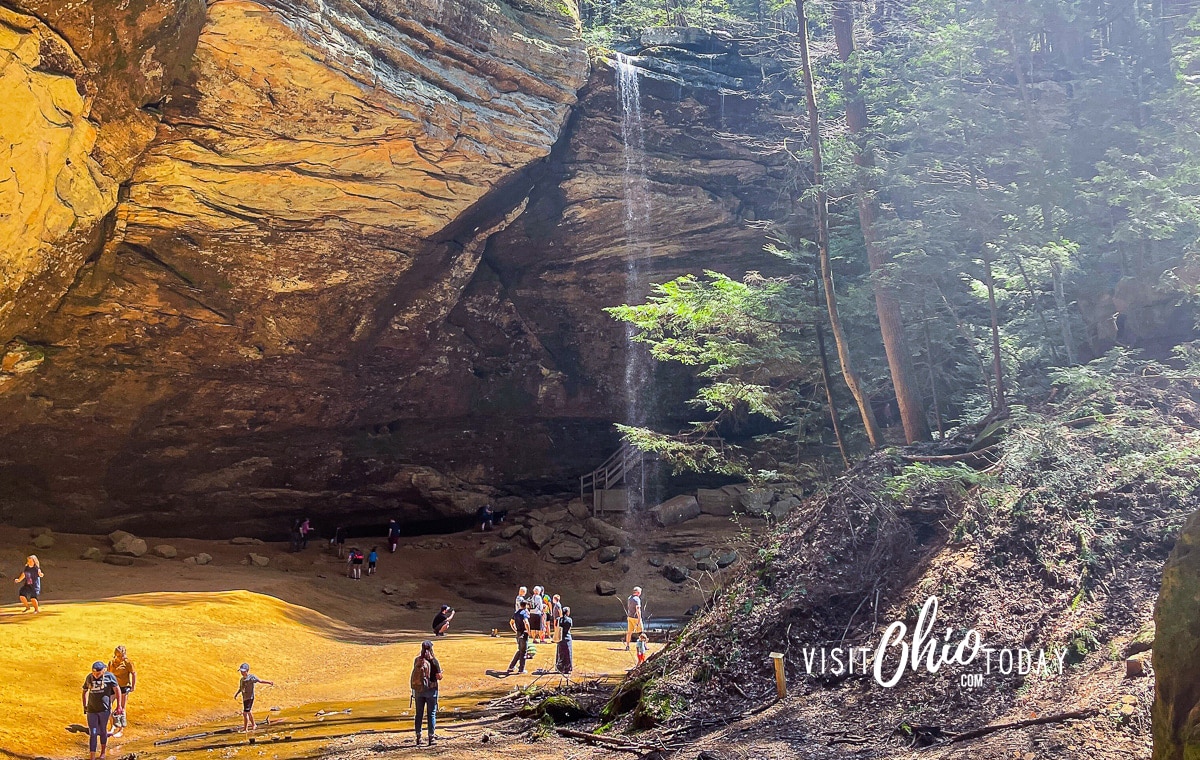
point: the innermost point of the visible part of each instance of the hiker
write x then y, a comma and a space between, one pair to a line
556, 613
520, 598
121, 668
537, 614
354, 561
641, 648
246, 692
519, 622
393, 535
441, 621
31, 583
426, 673
305, 530
485, 517
372, 558
633, 615
339, 541
565, 662
100, 691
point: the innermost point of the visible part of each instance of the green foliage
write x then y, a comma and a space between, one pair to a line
918, 480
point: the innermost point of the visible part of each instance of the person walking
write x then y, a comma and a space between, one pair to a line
426, 673
305, 530
246, 692
565, 661
122, 669
393, 535
643, 643
372, 559
31, 583
339, 541
100, 692
519, 622
633, 615
537, 615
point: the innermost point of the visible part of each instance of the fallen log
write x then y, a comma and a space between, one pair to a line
936, 458
1058, 718
608, 741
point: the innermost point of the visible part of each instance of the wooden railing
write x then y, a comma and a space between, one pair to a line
615, 470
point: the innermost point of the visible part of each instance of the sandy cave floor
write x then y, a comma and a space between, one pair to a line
329, 642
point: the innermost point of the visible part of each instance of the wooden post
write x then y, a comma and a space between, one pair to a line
780, 678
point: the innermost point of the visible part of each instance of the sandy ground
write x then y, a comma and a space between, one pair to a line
329, 642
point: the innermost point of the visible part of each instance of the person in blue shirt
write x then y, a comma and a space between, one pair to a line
372, 558
100, 691
31, 583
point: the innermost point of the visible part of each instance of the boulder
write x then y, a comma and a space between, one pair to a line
608, 554
130, 546
575, 529
725, 559
540, 535
189, 560
757, 502
783, 506
204, 558
700, 554
244, 541
44, 541
118, 535
499, 549
716, 501
591, 542
604, 588
92, 553
511, 531
118, 559
706, 566
608, 533
674, 511
1135, 667
655, 561
258, 560
675, 573
1175, 721
579, 509
166, 551
565, 552
1142, 641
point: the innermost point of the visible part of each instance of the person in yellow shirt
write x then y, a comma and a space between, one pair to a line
122, 667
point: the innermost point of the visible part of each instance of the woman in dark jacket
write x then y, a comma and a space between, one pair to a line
565, 660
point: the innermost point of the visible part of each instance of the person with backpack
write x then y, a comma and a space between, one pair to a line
633, 615
519, 622
355, 562
100, 692
426, 673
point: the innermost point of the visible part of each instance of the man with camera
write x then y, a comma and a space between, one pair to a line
441, 621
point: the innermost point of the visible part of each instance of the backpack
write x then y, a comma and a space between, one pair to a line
419, 680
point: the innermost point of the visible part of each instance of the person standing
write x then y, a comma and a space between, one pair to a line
633, 615
31, 583
372, 558
519, 622
556, 613
642, 647
100, 692
521, 592
122, 669
339, 541
393, 535
246, 692
427, 671
537, 615
565, 662
305, 530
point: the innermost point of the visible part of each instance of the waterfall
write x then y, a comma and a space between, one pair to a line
636, 204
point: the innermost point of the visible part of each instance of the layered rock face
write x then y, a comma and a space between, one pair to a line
343, 278
1175, 718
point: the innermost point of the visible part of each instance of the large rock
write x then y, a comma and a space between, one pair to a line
258, 560
92, 553
565, 552
540, 535
674, 511
757, 502
783, 506
608, 554
166, 551
129, 546
716, 501
44, 541
608, 533
1175, 718
676, 573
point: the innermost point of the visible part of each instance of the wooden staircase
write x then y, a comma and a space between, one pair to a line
602, 482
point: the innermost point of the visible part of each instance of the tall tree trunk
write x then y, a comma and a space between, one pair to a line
887, 303
822, 213
997, 361
834, 416
937, 407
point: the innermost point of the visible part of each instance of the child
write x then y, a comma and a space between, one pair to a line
372, 558
355, 562
641, 648
246, 692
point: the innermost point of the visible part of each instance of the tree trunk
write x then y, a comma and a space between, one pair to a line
997, 362
834, 416
822, 214
887, 303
